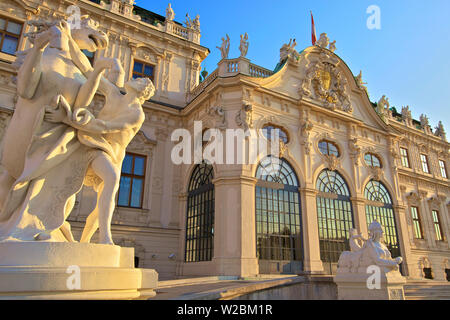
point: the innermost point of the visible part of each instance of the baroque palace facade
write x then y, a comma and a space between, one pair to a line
344, 160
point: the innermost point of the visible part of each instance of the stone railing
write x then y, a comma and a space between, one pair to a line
259, 72
199, 89
182, 32
233, 66
229, 68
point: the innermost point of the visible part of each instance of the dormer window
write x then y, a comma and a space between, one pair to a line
328, 148
372, 160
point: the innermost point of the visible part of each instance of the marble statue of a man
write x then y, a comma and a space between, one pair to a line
225, 47
243, 46
44, 163
107, 137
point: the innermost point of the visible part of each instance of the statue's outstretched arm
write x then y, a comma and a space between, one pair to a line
89, 88
380, 261
29, 73
92, 125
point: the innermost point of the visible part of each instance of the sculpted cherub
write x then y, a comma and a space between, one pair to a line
108, 135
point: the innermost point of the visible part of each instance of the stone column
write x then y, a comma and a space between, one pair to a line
234, 226
405, 246
310, 228
359, 214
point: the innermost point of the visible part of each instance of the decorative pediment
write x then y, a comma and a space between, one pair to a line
324, 82
413, 198
434, 202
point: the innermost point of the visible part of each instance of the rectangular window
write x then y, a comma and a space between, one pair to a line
131, 189
443, 169
424, 161
404, 156
416, 223
437, 226
10, 32
143, 70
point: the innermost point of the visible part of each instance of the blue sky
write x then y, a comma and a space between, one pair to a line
408, 59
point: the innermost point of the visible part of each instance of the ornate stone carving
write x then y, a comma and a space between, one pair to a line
244, 117
439, 131
333, 162
225, 47
425, 124
413, 198
377, 173
406, 116
383, 109
323, 41
306, 127
332, 46
217, 114
170, 14
288, 50
434, 203
353, 267
359, 81
243, 46
324, 82
355, 150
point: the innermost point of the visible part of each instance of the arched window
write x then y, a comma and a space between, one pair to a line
372, 160
269, 128
334, 217
380, 208
328, 148
200, 215
278, 217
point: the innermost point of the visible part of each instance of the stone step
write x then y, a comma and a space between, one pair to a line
427, 290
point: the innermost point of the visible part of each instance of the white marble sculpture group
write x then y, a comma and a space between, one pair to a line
54, 145
367, 252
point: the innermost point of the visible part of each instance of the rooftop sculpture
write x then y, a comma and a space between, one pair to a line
225, 47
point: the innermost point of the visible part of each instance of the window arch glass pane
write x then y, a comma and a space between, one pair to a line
383, 212
200, 215
269, 128
278, 217
277, 170
328, 148
372, 160
334, 217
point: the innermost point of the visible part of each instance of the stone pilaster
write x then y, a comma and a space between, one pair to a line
312, 261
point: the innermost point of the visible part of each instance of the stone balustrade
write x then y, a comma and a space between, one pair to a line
182, 32
259, 72
199, 89
229, 68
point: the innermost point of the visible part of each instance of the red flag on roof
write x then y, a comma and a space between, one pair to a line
313, 30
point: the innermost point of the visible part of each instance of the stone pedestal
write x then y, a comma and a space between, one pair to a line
353, 286
50, 270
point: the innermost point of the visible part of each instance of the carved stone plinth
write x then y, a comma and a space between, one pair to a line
353, 286
49, 270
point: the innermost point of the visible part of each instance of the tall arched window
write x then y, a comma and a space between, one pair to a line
334, 217
380, 208
200, 215
278, 218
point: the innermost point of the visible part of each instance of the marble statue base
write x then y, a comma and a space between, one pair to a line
353, 286
50, 270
